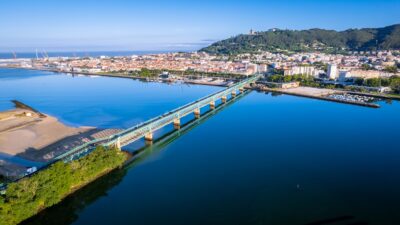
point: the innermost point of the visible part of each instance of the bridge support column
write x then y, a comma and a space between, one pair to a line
197, 113
223, 99
233, 94
241, 90
148, 136
118, 143
212, 105
177, 124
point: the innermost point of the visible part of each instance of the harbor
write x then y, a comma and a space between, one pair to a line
324, 94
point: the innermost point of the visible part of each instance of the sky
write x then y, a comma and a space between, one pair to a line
146, 25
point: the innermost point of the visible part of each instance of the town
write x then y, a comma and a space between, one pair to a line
373, 71
199, 112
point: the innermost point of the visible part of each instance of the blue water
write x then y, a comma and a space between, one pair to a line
94, 101
265, 159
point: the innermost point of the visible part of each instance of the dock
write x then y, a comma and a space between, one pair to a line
323, 96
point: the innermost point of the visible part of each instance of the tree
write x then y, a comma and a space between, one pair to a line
330, 86
287, 79
144, 72
2, 179
373, 82
359, 81
395, 84
366, 67
391, 69
385, 82
275, 78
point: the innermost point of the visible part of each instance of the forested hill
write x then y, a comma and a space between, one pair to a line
366, 39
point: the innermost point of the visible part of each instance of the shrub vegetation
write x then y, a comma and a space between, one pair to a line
48, 187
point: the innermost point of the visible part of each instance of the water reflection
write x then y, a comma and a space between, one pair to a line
68, 210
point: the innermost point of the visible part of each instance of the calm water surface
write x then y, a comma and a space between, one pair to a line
265, 159
94, 101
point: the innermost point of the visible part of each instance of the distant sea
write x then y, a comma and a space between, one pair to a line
9, 55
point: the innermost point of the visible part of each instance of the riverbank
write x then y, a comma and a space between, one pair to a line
147, 79
89, 74
31, 195
23, 130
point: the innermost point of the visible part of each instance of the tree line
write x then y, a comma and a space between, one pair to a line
305, 80
48, 187
392, 82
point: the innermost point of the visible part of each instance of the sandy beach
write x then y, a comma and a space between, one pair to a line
22, 130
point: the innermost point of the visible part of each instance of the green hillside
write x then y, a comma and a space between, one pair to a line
367, 39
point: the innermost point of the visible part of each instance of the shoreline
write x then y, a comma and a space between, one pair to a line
26, 132
364, 104
116, 160
29, 139
391, 97
79, 73
146, 79
383, 96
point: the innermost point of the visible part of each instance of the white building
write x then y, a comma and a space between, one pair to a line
344, 75
303, 70
332, 71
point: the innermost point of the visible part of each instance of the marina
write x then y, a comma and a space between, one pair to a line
352, 98
323, 94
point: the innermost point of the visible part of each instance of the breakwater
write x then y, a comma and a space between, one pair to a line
282, 91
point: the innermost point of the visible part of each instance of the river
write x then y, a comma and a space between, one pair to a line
266, 159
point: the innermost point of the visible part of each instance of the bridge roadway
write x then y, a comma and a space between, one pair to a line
147, 128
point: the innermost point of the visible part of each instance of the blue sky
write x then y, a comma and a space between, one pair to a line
73, 25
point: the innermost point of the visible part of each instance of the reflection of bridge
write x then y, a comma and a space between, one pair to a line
147, 128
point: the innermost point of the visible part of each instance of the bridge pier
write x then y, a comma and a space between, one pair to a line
223, 99
197, 113
148, 136
241, 90
118, 143
233, 94
177, 123
212, 105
